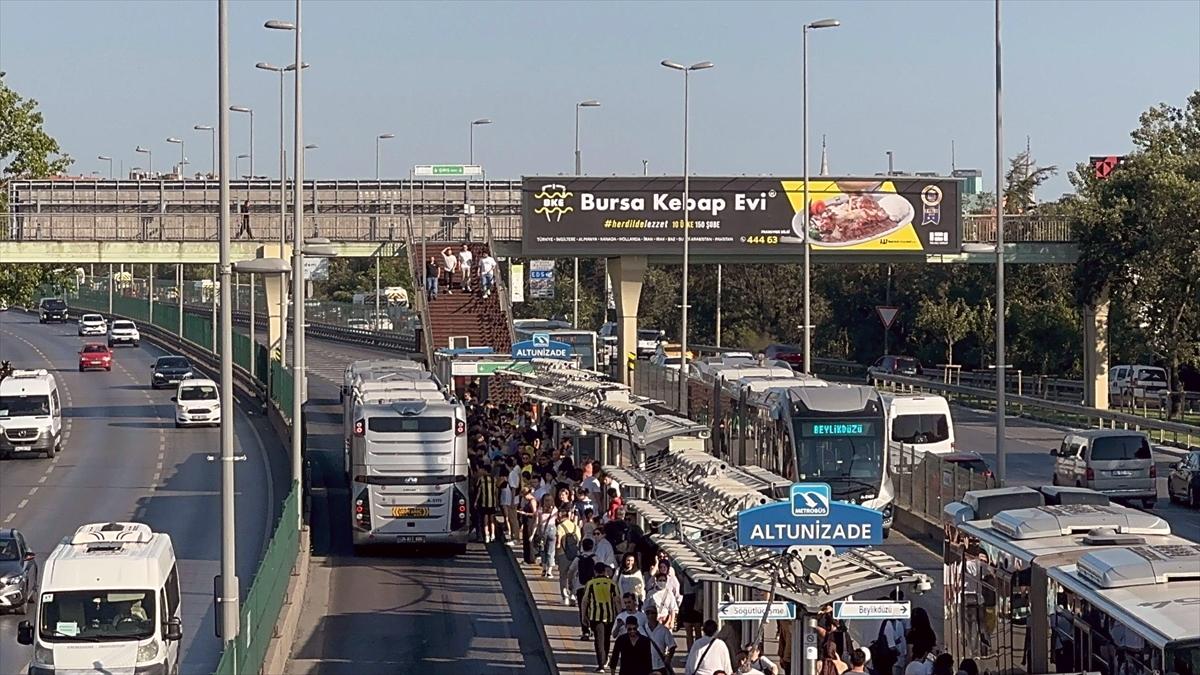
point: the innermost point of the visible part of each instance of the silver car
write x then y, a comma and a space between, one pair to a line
18, 572
1116, 462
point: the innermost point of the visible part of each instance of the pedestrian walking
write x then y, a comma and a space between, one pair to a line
831, 662
582, 569
432, 272
767, 666
631, 651
662, 644
464, 267
527, 511
630, 580
600, 604
547, 524
567, 542
661, 597
709, 654
629, 608
449, 264
487, 272
486, 497
244, 230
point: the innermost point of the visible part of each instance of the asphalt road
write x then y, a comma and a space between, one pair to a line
397, 611
124, 460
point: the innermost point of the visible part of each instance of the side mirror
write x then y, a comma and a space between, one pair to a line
25, 633
173, 399
1054, 452
174, 630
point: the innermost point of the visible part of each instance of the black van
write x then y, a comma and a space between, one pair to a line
52, 309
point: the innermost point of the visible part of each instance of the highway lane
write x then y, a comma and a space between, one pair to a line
397, 611
124, 460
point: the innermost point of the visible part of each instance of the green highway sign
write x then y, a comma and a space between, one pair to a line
447, 170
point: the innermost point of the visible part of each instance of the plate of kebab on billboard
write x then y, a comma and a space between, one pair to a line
859, 214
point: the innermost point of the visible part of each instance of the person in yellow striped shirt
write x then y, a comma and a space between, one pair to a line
600, 599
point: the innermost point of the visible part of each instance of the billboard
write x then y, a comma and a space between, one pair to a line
739, 215
541, 279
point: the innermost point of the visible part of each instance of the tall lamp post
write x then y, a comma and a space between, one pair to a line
1001, 372
683, 328
590, 103
380, 137
149, 158
213, 132
471, 160
248, 111
823, 23
237, 165
182, 159
106, 158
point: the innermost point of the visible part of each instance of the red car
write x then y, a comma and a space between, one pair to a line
95, 356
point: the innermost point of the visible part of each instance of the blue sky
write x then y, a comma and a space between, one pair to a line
902, 76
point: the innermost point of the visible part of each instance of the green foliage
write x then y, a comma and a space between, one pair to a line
1022, 181
348, 276
26, 150
946, 320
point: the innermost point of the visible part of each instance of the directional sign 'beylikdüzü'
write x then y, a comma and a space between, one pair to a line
810, 518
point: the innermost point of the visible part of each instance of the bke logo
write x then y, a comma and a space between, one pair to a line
541, 340
810, 499
554, 202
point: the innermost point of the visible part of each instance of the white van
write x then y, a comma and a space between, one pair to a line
30, 414
109, 602
1133, 385
922, 423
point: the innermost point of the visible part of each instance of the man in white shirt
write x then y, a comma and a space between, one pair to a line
604, 550
708, 654
464, 265
487, 272
662, 643
631, 609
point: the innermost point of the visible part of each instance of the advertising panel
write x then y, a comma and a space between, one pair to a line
741, 216
541, 279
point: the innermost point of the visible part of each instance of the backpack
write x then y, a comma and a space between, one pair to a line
571, 545
587, 568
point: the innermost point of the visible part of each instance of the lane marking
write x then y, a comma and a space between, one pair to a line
9, 517
43, 479
33, 491
22, 504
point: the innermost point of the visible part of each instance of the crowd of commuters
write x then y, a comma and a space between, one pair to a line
459, 265
570, 523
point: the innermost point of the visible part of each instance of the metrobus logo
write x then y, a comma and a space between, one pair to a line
810, 500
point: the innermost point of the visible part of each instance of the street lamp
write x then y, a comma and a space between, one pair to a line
380, 137
150, 156
590, 103
244, 109
237, 164
683, 330
1001, 372
823, 23
297, 252
209, 128
311, 146
471, 153
182, 160
106, 158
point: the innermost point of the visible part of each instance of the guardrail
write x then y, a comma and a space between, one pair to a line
260, 611
403, 342
1169, 433
924, 482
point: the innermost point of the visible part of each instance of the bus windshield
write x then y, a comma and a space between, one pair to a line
95, 616
839, 449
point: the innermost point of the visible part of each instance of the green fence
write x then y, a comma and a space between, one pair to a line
261, 608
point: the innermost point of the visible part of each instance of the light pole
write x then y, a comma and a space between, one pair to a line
590, 103
1001, 469
208, 128
229, 594
891, 159
471, 161
297, 256
106, 158
380, 137
150, 158
244, 109
823, 23
182, 160
237, 165
683, 328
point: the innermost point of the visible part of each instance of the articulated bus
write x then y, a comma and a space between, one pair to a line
407, 460
1061, 580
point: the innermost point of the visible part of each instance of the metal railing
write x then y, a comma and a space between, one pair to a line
924, 482
364, 222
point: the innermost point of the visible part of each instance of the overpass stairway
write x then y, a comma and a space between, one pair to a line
485, 321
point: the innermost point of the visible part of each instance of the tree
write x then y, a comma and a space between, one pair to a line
26, 150
1139, 233
1022, 181
948, 320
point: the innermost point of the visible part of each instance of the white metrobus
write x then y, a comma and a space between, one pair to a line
407, 461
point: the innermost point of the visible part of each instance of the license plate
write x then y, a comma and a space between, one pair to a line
410, 539
1122, 474
410, 512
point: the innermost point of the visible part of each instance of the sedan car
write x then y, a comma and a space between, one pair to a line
169, 370
92, 324
1183, 482
124, 333
197, 402
18, 572
95, 356
885, 366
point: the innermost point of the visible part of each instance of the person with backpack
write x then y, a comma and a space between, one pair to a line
581, 571
567, 549
600, 605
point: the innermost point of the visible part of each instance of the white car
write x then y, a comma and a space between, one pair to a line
92, 324
123, 333
197, 402
358, 324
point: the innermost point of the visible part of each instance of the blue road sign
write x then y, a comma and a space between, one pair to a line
540, 346
810, 518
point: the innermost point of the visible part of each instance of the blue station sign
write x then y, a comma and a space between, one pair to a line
810, 518
540, 346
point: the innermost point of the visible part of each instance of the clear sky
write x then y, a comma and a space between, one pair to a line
902, 76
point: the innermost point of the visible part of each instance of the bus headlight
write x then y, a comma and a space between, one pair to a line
43, 656
148, 651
